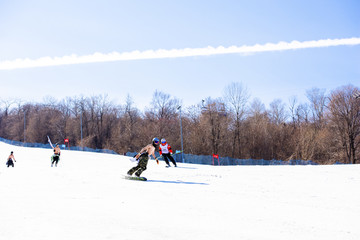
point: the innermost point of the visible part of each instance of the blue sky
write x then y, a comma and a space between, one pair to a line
39, 28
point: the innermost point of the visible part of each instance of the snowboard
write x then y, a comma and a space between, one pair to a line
135, 178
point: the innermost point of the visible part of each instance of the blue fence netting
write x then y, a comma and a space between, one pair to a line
186, 158
208, 160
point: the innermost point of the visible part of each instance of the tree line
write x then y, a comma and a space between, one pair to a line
326, 129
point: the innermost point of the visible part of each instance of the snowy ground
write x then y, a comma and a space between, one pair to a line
86, 198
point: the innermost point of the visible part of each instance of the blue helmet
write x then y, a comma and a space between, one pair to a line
155, 140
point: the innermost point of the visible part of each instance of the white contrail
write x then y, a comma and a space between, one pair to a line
173, 53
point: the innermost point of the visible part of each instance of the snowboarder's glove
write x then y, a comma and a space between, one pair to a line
157, 161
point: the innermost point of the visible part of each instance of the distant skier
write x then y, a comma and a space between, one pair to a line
166, 151
56, 157
143, 157
10, 160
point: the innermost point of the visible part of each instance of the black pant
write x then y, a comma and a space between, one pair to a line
166, 156
10, 163
55, 159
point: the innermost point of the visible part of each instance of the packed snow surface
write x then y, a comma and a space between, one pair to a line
87, 198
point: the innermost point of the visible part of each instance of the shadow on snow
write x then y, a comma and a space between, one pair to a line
177, 182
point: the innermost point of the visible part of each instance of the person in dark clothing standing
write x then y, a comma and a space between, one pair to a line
10, 160
166, 151
143, 157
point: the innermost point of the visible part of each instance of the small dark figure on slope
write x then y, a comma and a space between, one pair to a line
10, 160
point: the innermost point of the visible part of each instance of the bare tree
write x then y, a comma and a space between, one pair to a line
195, 141
4, 117
279, 131
317, 100
164, 112
256, 131
129, 127
302, 113
345, 120
293, 101
236, 97
214, 120
103, 115
278, 113
163, 106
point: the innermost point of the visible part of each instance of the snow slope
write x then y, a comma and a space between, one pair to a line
86, 198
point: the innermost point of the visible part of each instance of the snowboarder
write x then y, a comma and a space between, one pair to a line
10, 160
143, 157
166, 151
56, 157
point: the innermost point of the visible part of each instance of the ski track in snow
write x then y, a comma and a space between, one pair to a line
87, 198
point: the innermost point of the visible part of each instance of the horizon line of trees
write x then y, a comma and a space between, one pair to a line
325, 130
